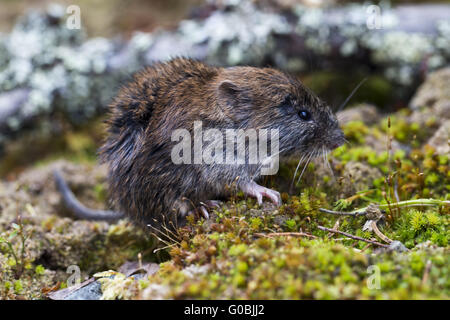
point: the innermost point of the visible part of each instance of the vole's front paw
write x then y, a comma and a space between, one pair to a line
255, 190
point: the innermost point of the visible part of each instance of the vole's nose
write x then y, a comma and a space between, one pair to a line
335, 145
337, 139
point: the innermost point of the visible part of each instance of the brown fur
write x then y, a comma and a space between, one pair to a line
146, 185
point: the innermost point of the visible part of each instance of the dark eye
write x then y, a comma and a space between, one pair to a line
304, 115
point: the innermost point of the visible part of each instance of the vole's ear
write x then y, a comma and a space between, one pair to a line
229, 93
233, 100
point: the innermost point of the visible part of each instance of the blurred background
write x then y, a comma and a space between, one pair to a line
108, 18
56, 81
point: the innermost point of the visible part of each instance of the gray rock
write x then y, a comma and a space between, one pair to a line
441, 139
397, 246
366, 113
88, 290
64, 72
92, 291
434, 91
358, 176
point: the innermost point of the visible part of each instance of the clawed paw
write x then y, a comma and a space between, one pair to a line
202, 210
255, 190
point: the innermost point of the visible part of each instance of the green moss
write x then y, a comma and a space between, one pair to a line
355, 131
299, 268
241, 248
431, 179
362, 154
291, 224
39, 270
404, 131
416, 226
18, 288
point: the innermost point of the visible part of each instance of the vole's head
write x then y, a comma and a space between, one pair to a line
267, 98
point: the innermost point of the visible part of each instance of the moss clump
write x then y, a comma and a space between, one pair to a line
242, 263
288, 268
38, 248
258, 252
416, 227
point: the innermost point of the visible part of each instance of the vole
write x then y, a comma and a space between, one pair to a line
144, 182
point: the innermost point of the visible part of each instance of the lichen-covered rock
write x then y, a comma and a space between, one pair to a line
358, 176
52, 68
48, 69
434, 92
431, 109
441, 139
366, 113
429, 119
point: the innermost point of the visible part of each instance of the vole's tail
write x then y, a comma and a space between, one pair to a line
77, 208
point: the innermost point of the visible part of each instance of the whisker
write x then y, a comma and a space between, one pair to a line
342, 117
323, 156
262, 162
295, 173
304, 168
165, 247
329, 167
346, 141
351, 95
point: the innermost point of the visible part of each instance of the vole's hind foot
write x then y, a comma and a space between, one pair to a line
202, 210
184, 207
255, 190
199, 212
212, 204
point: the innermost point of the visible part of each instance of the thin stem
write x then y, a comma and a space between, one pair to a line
353, 237
285, 234
400, 204
342, 213
410, 203
11, 249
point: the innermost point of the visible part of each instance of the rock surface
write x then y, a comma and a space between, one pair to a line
365, 112
441, 139
434, 93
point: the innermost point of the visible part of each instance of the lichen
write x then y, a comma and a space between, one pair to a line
56, 64
64, 72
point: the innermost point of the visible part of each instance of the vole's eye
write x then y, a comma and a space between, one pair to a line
305, 115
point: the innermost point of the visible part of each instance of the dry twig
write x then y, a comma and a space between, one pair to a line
335, 227
343, 213
285, 234
379, 233
353, 237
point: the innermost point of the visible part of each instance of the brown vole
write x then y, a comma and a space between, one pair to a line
144, 182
